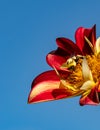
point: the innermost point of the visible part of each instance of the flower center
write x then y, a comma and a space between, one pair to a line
74, 65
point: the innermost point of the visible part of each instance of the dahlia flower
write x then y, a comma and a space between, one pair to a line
75, 70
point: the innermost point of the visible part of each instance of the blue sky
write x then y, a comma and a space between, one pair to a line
28, 29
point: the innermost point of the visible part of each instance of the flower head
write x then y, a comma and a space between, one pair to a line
76, 70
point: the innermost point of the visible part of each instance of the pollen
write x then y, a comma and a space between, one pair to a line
94, 65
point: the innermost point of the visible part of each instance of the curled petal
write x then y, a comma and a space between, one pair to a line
44, 86
87, 74
87, 85
69, 46
80, 35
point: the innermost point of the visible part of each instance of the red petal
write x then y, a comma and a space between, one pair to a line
43, 87
69, 46
93, 98
93, 35
80, 38
57, 58
87, 101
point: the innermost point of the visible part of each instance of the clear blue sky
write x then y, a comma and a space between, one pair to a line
28, 29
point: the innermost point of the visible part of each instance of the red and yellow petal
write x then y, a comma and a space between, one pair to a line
43, 87
80, 35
